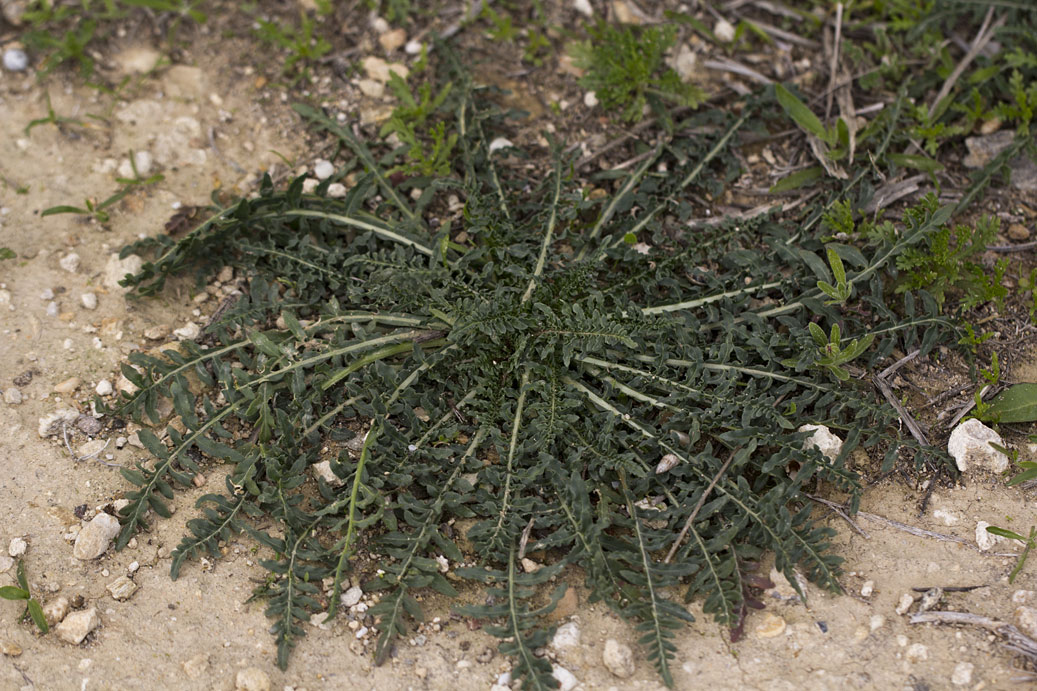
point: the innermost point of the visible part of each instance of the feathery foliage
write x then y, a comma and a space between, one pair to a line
586, 379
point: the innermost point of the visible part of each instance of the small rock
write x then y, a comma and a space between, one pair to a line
252, 679
1017, 231
17, 547
724, 31
823, 440
137, 60
12, 396
70, 262
371, 88
917, 652
319, 620
876, 622
685, 62
197, 666
984, 148
226, 274
309, 185
771, 626
624, 14
391, 40
530, 566
413, 47
986, 540
91, 448
1026, 620
55, 610
904, 604
52, 309
68, 386
96, 536
969, 445
583, 7
89, 301
867, 588
618, 658
990, 126
104, 388
1024, 597
156, 333
53, 423
323, 169
122, 588
143, 161
352, 596
124, 385
567, 636
15, 60
336, 190
668, 462
566, 680
500, 143
930, 599
962, 675
77, 626
117, 269
566, 606
10, 649
188, 332
323, 470
379, 70
947, 517
590, 99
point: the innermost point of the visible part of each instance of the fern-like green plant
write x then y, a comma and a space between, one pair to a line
529, 376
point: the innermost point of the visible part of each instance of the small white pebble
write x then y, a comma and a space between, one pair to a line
906, 600
17, 547
15, 60
52, 309
724, 31
590, 99
89, 301
103, 388
867, 588
323, 169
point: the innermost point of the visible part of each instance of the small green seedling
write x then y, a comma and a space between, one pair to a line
98, 210
832, 355
21, 592
840, 292
1029, 543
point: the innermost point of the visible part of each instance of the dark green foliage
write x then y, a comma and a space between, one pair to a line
625, 69
530, 376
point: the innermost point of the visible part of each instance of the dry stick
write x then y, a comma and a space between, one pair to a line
905, 416
910, 529
1017, 640
1021, 247
698, 507
728, 65
839, 512
833, 65
986, 33
886, 373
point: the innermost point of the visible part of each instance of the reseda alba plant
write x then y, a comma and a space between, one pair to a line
524, 377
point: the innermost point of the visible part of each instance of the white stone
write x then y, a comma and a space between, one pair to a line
89, 300
962, 675
319, 620
379, 70
413, 47
77, 626
323, 169
104, 388
336, 190
116, 269
969, 446
252, 679
96, 536
323, 470
684, 63
916, 652
17, 547
947, 517
724, 31
867, 588
352, 596
590, 99
70, 262
12, 396
567, 636
986, 540
188, 332
500, 143
53, 423
15, 60
583, 7
905, 602
618, 658
124, 385
566, 680
823, 440
1026, 619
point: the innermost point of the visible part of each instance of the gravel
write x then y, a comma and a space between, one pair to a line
77, 626
96, 536
15, 60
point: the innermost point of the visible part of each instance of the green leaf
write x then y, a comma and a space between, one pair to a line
10, 592
800, 114
922, 163
993, 530
7, 253
1017, 403
36, 613
63, 210
797, 180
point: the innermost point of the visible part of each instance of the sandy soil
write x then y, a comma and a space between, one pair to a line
199, 632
